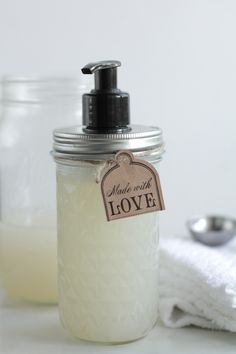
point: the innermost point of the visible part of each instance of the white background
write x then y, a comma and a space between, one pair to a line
179, 65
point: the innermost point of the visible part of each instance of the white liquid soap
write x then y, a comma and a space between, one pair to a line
108, 271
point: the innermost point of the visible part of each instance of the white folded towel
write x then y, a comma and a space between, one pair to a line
197, 284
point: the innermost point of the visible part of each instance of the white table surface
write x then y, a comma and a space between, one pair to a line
36, 329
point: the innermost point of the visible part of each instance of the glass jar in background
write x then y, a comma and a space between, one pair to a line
31, 108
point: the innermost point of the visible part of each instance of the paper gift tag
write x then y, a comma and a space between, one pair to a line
130, 187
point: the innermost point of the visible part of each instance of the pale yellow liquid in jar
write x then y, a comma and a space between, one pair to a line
28, 265
108, 271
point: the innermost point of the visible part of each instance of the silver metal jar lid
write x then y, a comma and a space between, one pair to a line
74, 143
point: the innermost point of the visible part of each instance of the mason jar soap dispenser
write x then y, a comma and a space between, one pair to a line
108, 198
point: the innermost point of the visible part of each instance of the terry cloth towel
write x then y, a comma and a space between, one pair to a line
197, 284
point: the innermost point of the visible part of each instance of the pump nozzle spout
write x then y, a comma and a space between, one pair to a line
100, 65
105, 73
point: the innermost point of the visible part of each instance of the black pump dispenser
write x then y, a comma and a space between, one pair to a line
106, 108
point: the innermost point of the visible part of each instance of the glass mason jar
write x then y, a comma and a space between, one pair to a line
31, 108
108, 271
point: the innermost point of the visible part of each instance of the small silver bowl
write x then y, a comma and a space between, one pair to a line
212, 230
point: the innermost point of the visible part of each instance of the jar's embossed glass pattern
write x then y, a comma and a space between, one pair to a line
108, 271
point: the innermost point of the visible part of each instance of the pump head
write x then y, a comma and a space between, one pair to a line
105, 108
